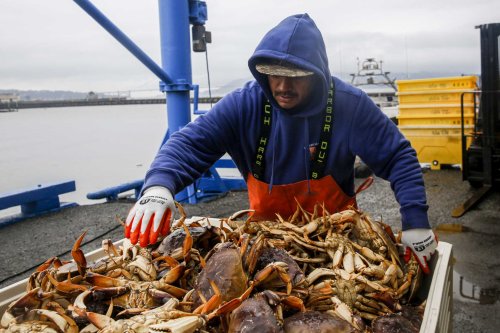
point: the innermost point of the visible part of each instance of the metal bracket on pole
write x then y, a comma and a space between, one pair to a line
180, 85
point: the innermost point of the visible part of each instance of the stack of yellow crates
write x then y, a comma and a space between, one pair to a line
429, 116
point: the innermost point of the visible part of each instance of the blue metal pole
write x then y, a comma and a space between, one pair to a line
176, 60
123, 39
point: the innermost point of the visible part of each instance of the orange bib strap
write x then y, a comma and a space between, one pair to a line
283, 198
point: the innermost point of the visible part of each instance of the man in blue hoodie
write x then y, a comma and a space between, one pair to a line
294, 134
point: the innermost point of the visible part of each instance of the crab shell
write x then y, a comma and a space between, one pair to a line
314, 321
270, 255
225, 269
254, 314
393, 323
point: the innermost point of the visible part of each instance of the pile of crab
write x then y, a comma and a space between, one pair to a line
318, 272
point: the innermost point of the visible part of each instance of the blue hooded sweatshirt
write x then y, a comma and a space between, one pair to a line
233, 126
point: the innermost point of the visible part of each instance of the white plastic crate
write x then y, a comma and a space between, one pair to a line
17, 289
436, 287
438, 313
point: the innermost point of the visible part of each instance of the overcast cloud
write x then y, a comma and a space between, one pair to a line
55, 45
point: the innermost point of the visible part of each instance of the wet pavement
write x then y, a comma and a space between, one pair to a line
475, 238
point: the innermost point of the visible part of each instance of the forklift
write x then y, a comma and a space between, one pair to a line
481, 160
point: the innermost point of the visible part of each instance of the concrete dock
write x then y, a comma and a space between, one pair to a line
475, 238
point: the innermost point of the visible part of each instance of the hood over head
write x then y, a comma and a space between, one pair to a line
298, 41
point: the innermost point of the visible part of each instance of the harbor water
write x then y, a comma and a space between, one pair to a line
98, 147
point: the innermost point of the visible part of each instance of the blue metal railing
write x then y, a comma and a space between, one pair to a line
38, 200
112, 193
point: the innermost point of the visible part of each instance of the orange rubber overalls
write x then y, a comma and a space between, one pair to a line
309, 193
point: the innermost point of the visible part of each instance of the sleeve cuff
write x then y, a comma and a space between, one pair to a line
415, 217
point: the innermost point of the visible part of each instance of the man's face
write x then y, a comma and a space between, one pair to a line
290, 92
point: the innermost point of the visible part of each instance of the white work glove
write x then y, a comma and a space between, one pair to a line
422, 242
151, 216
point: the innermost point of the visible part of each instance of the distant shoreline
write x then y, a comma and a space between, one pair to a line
92, 102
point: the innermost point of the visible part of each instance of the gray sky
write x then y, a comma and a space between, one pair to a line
55, 45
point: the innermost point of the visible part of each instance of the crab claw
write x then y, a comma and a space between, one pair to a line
66, 287
345, 312
32, 299
103, 281
78, 309
51, 261
100, 321
78, 255
174, 274
63, 322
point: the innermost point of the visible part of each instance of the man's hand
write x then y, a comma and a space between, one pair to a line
151, 216
422, 242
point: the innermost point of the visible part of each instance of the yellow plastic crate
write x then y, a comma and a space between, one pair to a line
431, 131
434, 120
437, 145
441, 83
424, 110
436, 97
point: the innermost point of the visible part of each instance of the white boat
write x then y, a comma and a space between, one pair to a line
372, 79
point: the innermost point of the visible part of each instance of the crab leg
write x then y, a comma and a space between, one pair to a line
280, 268
213, 302
232, 304
100, 321
188, 240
